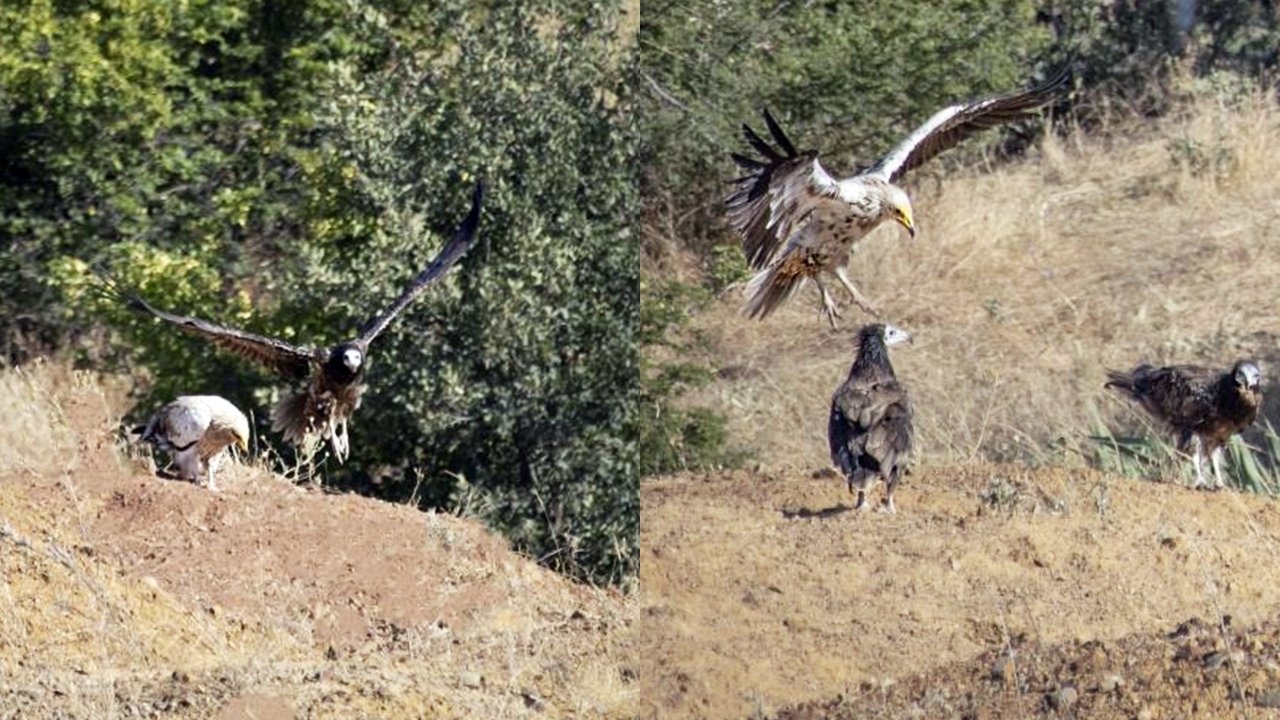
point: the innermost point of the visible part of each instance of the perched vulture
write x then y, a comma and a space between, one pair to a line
334, 372
798, 222
1201, 405
870, 428
196, 430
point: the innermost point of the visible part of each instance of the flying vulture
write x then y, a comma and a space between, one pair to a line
1201, 405
334, 372
196, 430
870, 430
798, 222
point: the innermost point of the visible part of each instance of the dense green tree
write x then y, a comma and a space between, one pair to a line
287, 165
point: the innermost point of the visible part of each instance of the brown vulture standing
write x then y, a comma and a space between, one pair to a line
335, 372
870, 430
1202, 405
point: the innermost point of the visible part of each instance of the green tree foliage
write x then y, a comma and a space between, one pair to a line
288, 165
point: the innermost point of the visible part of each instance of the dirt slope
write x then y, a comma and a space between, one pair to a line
763, 590
129, 596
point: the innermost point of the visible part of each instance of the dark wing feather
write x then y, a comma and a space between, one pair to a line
870, 426
1180, 395
776, 194
462, 240
951, 125
289, 361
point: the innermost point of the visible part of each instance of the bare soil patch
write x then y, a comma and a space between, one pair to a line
763, 590
129, 596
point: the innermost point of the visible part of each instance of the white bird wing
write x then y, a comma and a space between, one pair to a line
777, 195
185, 421
951, 125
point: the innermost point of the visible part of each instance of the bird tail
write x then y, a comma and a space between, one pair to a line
770, 288
1127, 382
289, 418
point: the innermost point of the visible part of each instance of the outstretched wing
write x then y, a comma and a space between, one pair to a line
289, 361
463, 238
949, 126
777, 193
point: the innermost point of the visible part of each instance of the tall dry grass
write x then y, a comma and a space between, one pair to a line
1156, 242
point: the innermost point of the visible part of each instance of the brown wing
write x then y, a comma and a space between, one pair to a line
289, 361
870, 426
1180, 395
777, 193
463, 238
951, 125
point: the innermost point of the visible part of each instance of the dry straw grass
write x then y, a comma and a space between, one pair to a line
1155, 243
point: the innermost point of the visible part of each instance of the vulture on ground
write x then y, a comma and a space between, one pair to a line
196, 430
1203, 406
870, 429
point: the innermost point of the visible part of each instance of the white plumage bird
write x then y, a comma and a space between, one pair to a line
798, 222
197, 430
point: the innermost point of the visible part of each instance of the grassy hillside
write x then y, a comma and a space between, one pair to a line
127, 596
1150, 242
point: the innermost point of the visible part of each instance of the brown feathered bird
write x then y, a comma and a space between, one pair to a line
799, 223
334, 372
196, 430
870, 430
1203, 406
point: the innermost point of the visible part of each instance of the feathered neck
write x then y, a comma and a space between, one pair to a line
873, 356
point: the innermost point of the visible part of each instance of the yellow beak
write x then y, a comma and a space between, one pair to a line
904, 218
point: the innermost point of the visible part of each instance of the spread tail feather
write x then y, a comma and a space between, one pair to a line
769, 289
289, 418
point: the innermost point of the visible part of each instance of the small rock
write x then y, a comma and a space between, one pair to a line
470, 679
1111, 683
1146, 713
1270, 700
1063, 698
1214, 661
1003, 671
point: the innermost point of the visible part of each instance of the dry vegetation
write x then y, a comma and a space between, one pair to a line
127, 596
1149, 243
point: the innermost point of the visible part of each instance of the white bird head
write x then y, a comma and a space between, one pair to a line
1248, 375
898, 208
894, 335
352, 357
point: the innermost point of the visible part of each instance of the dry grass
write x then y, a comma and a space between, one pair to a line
1026, 282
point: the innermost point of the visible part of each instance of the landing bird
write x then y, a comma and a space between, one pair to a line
196, 430
798, 222
335, 391
1203, 406
870, 430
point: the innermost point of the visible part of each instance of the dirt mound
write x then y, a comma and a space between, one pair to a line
1199, 669
763, 590
131, 596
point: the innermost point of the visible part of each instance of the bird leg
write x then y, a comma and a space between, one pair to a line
1216, 458
339, 441
842, 273
829, 309
213, 464
889, 485
1198, 459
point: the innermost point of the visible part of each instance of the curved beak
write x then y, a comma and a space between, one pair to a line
904, 218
